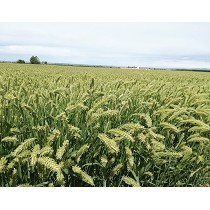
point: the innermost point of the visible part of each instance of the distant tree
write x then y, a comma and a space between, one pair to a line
20, 61
44, 62
34, 60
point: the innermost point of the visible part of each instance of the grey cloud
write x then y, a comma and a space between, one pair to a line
148, 44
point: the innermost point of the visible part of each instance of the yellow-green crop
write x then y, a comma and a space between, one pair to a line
83, 126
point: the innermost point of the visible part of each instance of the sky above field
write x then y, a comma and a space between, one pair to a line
171, 45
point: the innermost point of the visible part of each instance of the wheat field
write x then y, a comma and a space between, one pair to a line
103, 127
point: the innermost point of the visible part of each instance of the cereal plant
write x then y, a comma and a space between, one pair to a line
82, 126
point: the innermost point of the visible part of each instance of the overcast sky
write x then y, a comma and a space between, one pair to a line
141, 44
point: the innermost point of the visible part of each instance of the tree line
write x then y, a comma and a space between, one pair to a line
33, 60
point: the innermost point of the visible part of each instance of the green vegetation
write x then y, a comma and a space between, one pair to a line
34, 60
20, 61
79, 126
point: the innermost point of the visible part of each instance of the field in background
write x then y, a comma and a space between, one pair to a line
82, 126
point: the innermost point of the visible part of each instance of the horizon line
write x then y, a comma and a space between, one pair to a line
114, 66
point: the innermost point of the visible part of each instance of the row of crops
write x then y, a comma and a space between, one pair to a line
73, 126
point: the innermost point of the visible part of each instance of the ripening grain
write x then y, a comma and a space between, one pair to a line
81, 126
